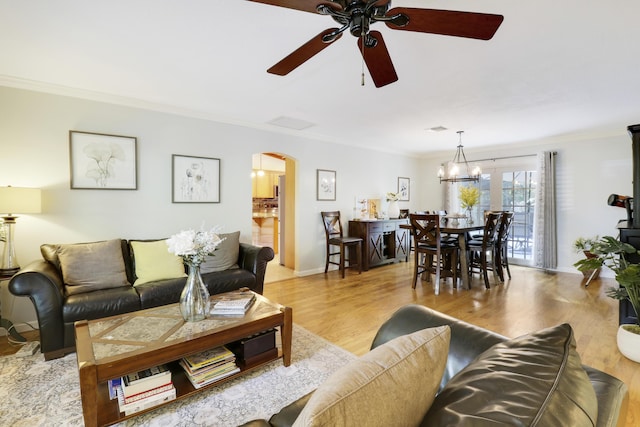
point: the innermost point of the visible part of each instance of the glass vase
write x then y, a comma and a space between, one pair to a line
469, 216
194, 300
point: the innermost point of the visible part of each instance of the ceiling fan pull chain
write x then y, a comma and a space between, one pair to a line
362, 62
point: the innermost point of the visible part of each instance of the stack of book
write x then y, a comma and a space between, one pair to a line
142, 390
209, 366
233, 304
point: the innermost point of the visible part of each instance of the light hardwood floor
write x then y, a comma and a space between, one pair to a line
349, 311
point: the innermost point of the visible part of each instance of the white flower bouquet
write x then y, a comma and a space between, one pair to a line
193, 246
393, 197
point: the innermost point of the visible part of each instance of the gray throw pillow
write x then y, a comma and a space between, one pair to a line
225, 256
88, 267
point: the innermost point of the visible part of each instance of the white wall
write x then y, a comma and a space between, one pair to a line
34, 139
589, 168
34, 131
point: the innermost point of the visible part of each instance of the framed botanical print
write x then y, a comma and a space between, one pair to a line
325, 185
403, 188
195, 179
102, 162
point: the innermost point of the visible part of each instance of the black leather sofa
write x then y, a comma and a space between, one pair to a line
467, 343
57, 311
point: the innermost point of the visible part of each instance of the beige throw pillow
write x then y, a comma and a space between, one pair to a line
153, 261
225, 256
88, 267
392, 385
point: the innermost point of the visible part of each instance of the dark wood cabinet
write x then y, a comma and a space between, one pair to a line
384, 241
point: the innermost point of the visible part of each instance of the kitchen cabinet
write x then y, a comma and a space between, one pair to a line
264, 186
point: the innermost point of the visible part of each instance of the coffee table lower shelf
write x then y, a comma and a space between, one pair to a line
110, 414
97, 367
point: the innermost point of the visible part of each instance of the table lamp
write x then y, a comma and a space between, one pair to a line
15, 200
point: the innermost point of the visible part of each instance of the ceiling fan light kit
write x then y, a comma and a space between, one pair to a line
357, 16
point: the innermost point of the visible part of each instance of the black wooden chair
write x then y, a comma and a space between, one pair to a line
502, 254
432, 255
336, 239
479, 250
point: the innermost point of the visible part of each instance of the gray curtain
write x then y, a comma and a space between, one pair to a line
545, 241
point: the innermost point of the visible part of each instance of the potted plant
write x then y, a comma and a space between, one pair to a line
584, 245
612, 253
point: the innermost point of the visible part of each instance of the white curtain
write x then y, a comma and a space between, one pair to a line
545, 243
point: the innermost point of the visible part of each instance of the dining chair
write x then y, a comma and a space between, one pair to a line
501, 252
479, 250
335, 238
432, 255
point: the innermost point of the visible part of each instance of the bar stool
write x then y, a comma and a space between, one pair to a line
335, 238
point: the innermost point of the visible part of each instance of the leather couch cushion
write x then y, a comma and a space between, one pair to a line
88, 267
94, 305
162, 292
393, 384
533, 380
225, 256
153, 261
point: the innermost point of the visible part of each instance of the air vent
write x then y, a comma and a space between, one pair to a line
291, 123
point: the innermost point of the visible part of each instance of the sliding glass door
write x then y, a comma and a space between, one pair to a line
513, 188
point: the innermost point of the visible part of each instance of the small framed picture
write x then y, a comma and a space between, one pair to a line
403, 188
195, 179
102, 162
326, 185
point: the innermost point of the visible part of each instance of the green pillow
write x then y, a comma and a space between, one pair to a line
88, 267
153, 261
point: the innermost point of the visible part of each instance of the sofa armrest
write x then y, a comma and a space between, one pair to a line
254, 259
613, 398
43, 284
467, 340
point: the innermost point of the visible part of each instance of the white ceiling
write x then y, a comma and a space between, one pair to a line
553, 68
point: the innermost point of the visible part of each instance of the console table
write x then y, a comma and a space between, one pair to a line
384, 241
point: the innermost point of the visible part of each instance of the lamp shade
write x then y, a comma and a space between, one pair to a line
20, 200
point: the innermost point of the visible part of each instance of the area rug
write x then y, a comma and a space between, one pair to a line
38, 393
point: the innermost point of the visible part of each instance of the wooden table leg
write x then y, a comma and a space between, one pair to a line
464, 266
287, 332
88, 375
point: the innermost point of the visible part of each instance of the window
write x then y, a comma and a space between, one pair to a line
512, 187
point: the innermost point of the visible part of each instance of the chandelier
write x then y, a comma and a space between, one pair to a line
458, 166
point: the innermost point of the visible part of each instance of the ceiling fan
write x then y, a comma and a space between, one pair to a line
358, 15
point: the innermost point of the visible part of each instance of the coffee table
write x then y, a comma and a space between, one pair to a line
111, 347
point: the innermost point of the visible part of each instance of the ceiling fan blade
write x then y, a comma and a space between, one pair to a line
378, 60
446, 22
303, 53
303, 5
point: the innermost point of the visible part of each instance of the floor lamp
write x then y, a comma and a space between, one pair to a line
15, 200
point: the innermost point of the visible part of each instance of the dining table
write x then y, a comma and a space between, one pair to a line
462, 230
